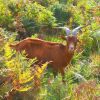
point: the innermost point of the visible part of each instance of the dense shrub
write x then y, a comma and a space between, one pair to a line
6, 17
60, 12
35, 16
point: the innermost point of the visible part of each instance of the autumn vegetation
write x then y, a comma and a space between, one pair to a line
20, 19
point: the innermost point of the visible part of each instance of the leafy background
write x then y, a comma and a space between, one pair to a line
37, 18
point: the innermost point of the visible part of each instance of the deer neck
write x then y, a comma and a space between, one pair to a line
69, 56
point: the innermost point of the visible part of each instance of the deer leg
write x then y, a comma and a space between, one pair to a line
55, 74
63, 75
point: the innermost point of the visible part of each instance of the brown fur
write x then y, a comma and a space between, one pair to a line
57, 53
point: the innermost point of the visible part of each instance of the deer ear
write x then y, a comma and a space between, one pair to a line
63, 37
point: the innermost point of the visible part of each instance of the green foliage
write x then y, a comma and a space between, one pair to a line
54, 91
88, 46
96, 41
36, 15
60, 12
82, 75
6, 17
46, 3
16, 6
